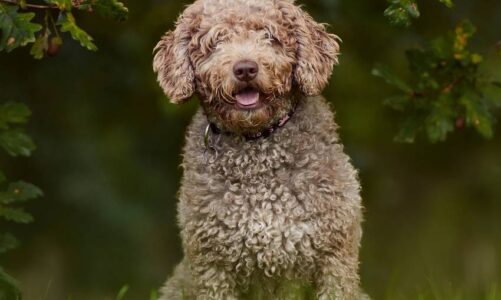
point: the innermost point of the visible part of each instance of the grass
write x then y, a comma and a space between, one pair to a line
296, 291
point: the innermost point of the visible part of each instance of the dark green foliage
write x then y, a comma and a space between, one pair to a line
15, 193
9, 289
446, 90
19, 192
15, 113
41, 44
447, 3
7, 242
18, 30
107, 8
15, 142
402, 12
68, 24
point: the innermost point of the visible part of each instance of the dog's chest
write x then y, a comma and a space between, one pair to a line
264, 213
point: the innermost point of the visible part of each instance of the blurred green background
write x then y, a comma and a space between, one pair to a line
109, 152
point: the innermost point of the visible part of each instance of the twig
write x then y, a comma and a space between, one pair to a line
53, 23
37, 6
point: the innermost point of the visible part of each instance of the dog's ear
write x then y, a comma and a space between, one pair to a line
175, 73
316, 49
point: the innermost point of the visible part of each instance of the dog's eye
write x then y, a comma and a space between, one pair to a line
215, 43
270, 37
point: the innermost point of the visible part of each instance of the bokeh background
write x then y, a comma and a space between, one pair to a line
109, 152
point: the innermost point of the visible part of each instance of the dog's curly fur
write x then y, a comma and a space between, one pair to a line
266, 211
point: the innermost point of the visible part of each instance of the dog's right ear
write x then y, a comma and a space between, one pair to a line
316, 49
172, 64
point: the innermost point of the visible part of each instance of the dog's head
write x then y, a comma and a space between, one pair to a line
245, 59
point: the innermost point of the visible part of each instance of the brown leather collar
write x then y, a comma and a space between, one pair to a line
211, 127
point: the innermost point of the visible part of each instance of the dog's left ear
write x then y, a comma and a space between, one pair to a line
175, 73
316, 50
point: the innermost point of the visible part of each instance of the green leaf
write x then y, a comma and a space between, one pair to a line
420, 61
67, 22
462, 34
22, 4
9, 289
17, 215
447, 3
17, 30
20, 191
441, 119
107, 8
496, 83
41, 45
409, 129
7, 242
16, 142
477, 115
476, 58
13, 112
468, 28
399, 102
401, 12
383, 72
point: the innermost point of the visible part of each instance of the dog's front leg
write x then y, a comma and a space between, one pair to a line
214, 283
338, 280
338, 277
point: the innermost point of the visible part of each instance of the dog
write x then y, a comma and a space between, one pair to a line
267, 196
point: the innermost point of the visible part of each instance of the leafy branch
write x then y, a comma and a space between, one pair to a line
402, 12
447, 90
18, 28
27, 5
16, 143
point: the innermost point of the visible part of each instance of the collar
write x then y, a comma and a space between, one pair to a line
211, 127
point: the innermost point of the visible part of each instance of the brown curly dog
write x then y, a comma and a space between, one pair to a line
268, 195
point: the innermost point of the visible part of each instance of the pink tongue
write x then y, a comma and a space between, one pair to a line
248, 97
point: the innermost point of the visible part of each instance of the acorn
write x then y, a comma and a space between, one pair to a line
54, 46
460, 123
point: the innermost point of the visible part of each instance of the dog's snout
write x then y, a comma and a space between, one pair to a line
245, 70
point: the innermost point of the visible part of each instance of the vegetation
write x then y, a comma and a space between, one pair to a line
402, 12
19, 29
15, 142
448, 90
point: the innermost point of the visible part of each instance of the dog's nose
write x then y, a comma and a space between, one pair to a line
245, 70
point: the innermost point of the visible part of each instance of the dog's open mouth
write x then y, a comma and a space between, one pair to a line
247, 98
